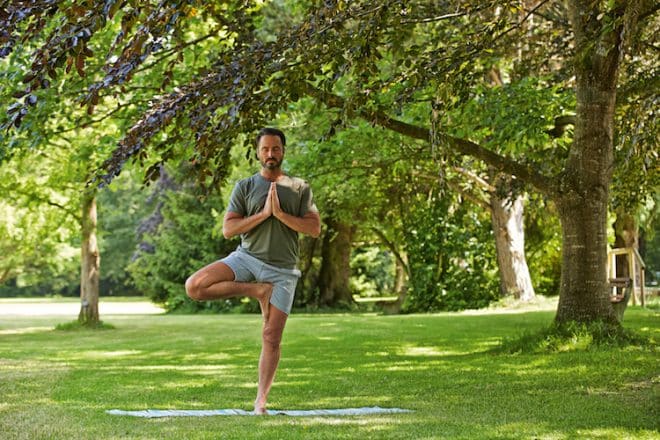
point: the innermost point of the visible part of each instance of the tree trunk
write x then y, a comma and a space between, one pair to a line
584, 292
89, 263
507, 220
335, 264
306, 292
400, 288
583, 193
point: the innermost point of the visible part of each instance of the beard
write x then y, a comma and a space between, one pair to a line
271, 163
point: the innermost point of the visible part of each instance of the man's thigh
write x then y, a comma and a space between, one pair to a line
213, 273
284, 288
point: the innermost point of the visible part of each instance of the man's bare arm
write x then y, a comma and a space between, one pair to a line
309, 224
235, 224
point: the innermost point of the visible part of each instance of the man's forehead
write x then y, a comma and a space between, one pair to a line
269, 140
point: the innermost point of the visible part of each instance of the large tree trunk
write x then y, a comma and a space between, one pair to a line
89, 263
582, 197
507, 220
584, 292
335, 264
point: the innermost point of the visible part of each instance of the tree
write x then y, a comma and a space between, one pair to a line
35, 224
386, 185
334, 56
78, 137
181, 235
335, 263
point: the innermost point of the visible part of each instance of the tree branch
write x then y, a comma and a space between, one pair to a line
501, 163
434, 19
383, 238
456, 187
469, 196
477, 179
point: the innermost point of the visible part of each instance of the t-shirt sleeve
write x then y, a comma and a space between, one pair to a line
307, 201
237, 201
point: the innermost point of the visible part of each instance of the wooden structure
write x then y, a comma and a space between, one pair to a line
621, 290
636, 268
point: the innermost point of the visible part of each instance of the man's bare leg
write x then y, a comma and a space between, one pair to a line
270, 356
216, 281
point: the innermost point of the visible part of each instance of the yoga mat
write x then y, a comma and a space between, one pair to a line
152, 413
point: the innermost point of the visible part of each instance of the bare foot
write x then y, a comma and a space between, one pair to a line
260, 408
264, 302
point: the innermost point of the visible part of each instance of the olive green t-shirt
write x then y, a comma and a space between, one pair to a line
272, 241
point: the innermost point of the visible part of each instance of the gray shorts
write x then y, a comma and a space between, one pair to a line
247, 268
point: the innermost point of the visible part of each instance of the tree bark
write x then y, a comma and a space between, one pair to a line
335, 264
583, 195
584, 292
89, 263
507, 221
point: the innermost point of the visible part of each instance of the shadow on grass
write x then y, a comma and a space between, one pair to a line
443, 367
574, 336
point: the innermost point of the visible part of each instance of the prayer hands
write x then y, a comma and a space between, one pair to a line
272, 206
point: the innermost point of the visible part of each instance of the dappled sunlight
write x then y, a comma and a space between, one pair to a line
168, 367
370, 423
439, 366
24, 330
349, 401
525, 429
111, 354
411, 350
378, 353
187, 384
326, 338
614, 433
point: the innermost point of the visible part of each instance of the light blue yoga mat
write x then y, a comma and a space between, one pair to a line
152, 413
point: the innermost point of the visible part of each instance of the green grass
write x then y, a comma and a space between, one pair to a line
57, 384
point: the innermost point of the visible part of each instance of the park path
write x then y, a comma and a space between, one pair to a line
50, 308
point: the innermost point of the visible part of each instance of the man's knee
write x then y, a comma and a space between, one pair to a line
193, 288
272, 336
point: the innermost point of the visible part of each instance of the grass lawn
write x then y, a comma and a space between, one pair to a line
58, 384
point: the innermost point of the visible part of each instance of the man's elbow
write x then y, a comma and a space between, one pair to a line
316, 231
227, 233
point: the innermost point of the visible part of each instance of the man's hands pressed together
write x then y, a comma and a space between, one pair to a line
276, 209
309, 224
235, 224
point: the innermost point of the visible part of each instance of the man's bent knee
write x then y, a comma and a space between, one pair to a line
193, 289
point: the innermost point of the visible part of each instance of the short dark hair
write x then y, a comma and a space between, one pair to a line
269, 131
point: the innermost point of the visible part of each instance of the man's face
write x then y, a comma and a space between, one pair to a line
270, 152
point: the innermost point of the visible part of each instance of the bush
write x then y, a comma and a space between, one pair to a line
452, 263
181, 237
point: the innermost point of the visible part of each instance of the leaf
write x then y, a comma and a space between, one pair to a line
80, 64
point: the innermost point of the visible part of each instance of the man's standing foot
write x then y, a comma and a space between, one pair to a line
260, 408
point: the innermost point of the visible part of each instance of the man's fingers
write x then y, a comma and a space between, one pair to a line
275, 200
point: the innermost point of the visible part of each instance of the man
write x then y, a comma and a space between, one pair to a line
267, 210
